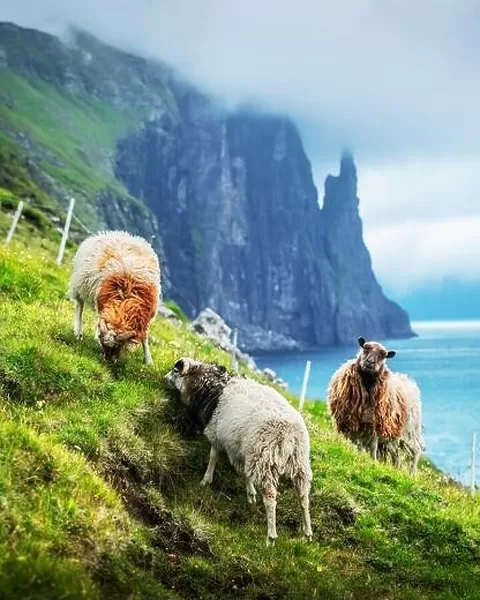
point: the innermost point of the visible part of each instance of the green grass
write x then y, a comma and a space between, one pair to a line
70, 136
173, 306
99, 480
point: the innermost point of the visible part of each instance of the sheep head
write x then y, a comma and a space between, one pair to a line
113, 342
194, 381
372, 356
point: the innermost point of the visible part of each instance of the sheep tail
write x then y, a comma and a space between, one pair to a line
282, 449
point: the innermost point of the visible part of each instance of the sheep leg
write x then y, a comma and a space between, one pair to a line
77, 321
147, 357
396, 456
212, 463
251, 493
302, 486
414, 463
270, 502
374, 447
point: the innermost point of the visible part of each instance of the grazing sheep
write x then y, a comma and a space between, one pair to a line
119, 275
263, 436
378, 410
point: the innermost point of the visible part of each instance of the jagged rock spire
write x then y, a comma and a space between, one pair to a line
347, 164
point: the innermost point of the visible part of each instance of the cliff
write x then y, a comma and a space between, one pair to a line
228, 199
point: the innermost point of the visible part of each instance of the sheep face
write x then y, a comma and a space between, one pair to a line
196, 382
113, 342
372, 356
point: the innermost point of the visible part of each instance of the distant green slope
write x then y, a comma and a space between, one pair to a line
72, 136
66, 115
100, 495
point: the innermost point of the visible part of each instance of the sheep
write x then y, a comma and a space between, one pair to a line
119, 275
263, 436
377, 409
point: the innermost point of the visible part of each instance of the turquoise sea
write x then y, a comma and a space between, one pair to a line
445, 362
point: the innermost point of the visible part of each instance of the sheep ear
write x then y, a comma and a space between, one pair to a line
391, 353
361, 341
102, 326
125, 336
181, 366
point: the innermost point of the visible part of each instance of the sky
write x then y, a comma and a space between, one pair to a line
396, 81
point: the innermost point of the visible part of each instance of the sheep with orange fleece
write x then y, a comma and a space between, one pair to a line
119, 275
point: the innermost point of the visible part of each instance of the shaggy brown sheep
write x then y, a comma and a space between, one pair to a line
378, 410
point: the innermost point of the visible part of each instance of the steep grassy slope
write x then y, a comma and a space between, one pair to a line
66, 113
99, 480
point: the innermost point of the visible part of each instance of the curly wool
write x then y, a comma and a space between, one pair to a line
264, 436
382, 410
119, 275
127, 303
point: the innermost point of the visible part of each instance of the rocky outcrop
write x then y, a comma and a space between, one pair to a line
243, 232
360, 305
211, 325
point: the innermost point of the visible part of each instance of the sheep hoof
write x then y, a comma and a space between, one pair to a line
205, 481
252, 499
309, 537
270, 542
79, 336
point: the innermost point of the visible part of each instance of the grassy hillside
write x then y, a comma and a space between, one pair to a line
99, 479
65, 106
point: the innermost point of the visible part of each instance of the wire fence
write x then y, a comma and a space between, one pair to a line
59, 218
67, 218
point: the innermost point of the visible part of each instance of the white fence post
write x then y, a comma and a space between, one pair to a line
13, 226
234, 355
474, 465
306, 377
63, 243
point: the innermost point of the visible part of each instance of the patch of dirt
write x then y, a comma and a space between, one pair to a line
171, 534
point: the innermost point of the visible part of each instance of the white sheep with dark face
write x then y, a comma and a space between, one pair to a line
263, 436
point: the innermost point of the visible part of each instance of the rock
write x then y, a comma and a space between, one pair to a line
360, 305
168, 314
273, 377
243, 232
281, 383
269, 374
211, 325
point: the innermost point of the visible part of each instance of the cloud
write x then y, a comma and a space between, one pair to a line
425, 189
386, 77
397, 81
422, 220
415, 254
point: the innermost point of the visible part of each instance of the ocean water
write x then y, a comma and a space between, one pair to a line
445, 362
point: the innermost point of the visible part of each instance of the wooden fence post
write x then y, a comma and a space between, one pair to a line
306, 377
63, 243
234, 349
474, 465
15, 220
